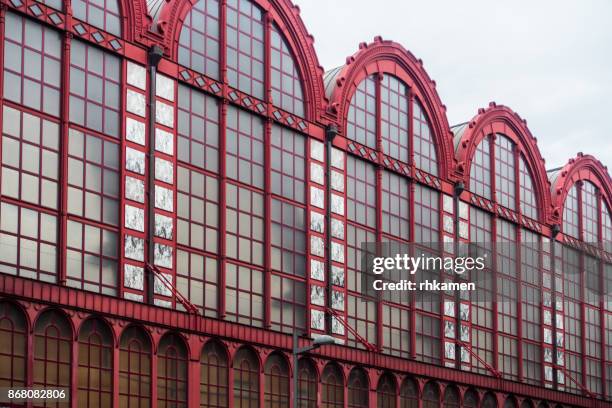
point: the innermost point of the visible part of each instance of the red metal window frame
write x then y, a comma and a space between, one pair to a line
48, 54
246, 379
529, 205
14, 351
95, 364
200, 37
361, 123
409, 394
505, 174
425, 156
244, 284
286, 84
431, 395
214, 388
171, 372
394, 116
106, 17
386, 392
570, 213
332, 387
276, 393
307, 384
52, 354
358, 392
196, 278
590, 213
134, 380
480, 171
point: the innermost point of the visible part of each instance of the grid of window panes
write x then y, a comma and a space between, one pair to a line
394, 118
572, 311
481, 313
592, 323
570, 213
245, 47
507, 299
590, 213
197, 279
244, 147
197, 212
171, 372
531, 303
285, 78
505, 180
361, 119
480, 171
529, 206
395, 205
606, 226
198, 46
425, 156
30, 158
288, 164
361, 192
103, 14
198, 129
95, 364
32, 64
94, 88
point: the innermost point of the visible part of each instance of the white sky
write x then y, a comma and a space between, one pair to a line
550, 61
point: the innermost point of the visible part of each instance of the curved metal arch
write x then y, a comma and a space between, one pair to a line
282, 356
182, 339
260, 362
24, 314
392, 377
582, 167
221, 344
287, 17
147, 333
60, 311
102, 321
502, 119
332, 365
389, 57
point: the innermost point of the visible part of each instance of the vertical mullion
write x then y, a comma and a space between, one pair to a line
492, 175
411, 212
602, 305
518, 270
379, 173
222, 267
267, 177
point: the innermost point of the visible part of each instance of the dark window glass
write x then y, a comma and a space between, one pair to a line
52, 354
409, 394
244, 295
245, 225
395, 205
431, 395
246, 379
361, 192
213, 376
277, 382
451, 397
13, 354
307, 384
288, 164
95, 365
245, 150
358, 389
332, 387
171, 372
134, 369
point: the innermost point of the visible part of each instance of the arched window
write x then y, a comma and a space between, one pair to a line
332, 391
277, 382
431, 395
510, 402
480, 170
103, 14
361, 118
409, 394
470, 399
13, 332
213, 376
451, 397
199, 38
95, 364
358, 389
505, 178
425, 157
570, 213
590, 213
171, 372
307, 385
134, 368
286, 81
489, 401
246, 379
606, 226
529, 206
527, 404
386, 392
52, 352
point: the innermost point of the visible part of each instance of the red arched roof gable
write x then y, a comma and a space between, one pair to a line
582, 167
287, 17
392, 58
501, 119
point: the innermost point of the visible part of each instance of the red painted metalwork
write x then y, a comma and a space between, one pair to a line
140, 31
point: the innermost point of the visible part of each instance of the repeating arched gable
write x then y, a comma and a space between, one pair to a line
582, 167
287, 17
501, 119
392, 58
